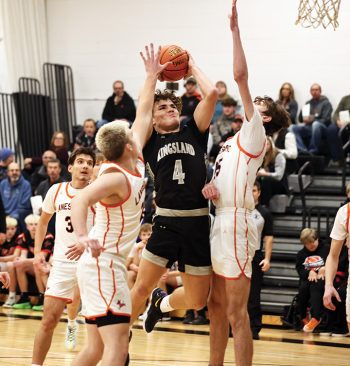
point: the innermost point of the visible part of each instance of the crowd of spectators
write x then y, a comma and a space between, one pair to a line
314, 132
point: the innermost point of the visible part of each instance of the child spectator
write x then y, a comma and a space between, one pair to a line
8, 253
134, 257
86, 138
310, 265
23, 264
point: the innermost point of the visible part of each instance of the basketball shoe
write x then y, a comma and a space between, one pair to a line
154, 313
311, 325
71, 336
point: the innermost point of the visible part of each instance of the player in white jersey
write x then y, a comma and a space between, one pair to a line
62, 283
339, 234
118, 193
234, 235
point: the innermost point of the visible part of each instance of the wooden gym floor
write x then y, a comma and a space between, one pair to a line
172, 344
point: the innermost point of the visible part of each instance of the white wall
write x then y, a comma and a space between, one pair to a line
101, 39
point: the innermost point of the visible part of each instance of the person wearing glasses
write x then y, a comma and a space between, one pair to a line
234, 236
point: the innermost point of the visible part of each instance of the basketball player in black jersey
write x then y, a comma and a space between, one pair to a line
176, 160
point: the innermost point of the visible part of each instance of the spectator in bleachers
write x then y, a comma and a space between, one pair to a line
222, 94
40, 173
24, 263
261, 261
315, 118
190, 99
287, 99
310, 265
6, 158
223, 125
59, 145
119, 105
8, 253
53, 172
134, 256
272, 175
286, 144
336, 149
86, 138
2, 222
15, 193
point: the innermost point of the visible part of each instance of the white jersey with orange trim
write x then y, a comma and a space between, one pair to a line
237, 164
58, 200
103, 280
117, 226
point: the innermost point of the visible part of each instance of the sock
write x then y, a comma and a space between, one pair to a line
24, 296
35, 364
165, 305
12, 294
72, 322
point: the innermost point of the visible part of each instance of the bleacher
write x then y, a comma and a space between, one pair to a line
314, 205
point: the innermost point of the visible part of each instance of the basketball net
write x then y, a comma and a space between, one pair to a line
313, 13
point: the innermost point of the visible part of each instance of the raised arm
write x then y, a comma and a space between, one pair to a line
204, 112
142, 127
240, 68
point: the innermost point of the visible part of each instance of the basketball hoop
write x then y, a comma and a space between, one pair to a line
313, 13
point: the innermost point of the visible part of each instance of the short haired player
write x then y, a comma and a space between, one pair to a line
62, 283
118, 193
234, 235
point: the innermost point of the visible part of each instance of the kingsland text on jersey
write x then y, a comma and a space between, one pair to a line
175, 148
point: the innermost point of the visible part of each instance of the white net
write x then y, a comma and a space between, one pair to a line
313, 13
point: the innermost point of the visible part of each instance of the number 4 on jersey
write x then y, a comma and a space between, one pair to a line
178, 174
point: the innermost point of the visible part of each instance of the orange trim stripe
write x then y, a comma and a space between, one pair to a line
122, 202
233, 278
107, 227
68, 192
348, 219
122, 228
60, 298
99, 282
246, 152
58, 189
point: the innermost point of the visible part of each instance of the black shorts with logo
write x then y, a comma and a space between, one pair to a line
181, 239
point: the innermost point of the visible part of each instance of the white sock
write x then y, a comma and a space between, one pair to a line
165, 305
35, 364
12, 295
72, 322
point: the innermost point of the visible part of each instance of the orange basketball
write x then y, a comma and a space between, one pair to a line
179, 63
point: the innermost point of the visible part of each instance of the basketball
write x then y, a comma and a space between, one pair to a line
179, 63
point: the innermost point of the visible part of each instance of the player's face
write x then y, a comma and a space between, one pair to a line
312, 245
262, 110
82, 168
165, 116
10, 232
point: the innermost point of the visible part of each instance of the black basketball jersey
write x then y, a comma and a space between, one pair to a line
177, 164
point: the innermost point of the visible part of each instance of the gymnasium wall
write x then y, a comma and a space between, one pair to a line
100, 40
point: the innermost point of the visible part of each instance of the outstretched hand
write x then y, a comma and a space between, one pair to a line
233, 16
152, 61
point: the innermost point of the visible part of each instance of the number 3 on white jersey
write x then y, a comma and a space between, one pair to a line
178, 174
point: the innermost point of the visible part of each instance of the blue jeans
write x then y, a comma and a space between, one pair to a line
315, 133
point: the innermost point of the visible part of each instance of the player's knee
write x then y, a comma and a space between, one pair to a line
49, 322
237, 317
140, 290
